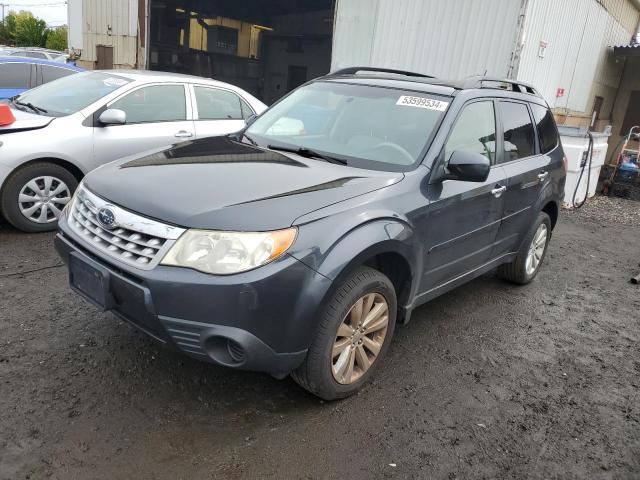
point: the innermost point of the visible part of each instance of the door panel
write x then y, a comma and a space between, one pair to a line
526, 176
523, 189
464, 217
462, 225
156, 117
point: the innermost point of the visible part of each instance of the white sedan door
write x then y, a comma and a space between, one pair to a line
218, 111
157, 116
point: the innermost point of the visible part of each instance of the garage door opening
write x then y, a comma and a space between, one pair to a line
267, 47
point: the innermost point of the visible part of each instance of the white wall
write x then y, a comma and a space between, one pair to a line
74, 13
577, 57
106, 22
450, 39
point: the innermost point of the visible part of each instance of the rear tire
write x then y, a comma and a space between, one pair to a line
522, 270
358, 321
50, 184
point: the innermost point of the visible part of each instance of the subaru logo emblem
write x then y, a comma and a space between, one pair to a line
106, 218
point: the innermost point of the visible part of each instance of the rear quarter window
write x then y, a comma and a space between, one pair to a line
547, 131
53, 73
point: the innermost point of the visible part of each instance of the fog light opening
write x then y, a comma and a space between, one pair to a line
236, 352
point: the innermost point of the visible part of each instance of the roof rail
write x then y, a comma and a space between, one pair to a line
480, 81
354, 70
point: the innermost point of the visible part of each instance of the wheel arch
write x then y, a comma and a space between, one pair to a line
66, 164
551, 208
388, 246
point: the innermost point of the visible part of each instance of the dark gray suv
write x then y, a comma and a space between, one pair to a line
296, 245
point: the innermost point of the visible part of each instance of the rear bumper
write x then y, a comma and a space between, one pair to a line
261, 320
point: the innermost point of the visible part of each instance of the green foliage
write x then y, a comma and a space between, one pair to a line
22, 29
57, 38
30, 31
8, 31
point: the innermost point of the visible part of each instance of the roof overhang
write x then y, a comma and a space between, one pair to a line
627, 50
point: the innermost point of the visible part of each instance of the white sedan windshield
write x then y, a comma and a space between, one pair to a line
69, 94
357, 123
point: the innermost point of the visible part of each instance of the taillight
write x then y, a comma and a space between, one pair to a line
6, 115
565, 163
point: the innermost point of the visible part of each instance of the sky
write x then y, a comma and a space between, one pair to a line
54, 12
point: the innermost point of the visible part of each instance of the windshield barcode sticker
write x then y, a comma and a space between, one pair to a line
422, 102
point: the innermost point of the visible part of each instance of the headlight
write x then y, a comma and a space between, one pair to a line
225, 253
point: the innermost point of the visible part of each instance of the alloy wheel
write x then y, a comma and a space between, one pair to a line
42, 199
536, 249
360, 338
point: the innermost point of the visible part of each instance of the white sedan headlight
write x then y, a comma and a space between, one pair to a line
226, 253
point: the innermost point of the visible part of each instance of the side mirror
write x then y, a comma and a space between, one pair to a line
467, 167
251, 119
113, 116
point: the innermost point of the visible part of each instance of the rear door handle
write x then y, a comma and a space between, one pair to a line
498, 191
183, 134
542, 176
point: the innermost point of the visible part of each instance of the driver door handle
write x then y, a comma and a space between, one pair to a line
498, 190
542, 176
183, 134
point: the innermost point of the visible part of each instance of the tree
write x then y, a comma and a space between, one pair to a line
8, 29
29, 30
57, 38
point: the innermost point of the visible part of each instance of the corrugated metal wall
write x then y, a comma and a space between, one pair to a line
576, 59
456, 38
450, 39
110, 22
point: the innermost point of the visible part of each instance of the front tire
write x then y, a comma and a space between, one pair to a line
33, 196
527, 263
356, 327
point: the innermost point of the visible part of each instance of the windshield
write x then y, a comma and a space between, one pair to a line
370, 127
72, 93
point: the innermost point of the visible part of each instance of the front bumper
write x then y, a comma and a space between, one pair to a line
262, 320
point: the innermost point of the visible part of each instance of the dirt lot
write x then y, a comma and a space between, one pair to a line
489, 381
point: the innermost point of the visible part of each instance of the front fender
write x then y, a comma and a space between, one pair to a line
336, 255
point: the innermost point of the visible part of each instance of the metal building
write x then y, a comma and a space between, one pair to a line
267, 47
562, 47
106, 32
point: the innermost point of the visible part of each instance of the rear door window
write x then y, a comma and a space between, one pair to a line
474, 131
156, 103
546, 126
216, 104
54, 73
15, 75
519, 135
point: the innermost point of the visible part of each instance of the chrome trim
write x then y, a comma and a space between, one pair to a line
135, 240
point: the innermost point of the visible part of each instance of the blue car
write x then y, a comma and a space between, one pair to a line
18, 74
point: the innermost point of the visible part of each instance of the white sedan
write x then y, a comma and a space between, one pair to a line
66, 128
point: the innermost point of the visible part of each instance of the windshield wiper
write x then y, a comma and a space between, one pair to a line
308, 153
38, 110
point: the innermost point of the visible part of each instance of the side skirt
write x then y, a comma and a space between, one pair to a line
455, 283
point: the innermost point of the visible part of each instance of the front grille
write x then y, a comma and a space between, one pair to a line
133, 239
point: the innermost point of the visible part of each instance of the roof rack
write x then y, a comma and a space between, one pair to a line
355, 70
480, 81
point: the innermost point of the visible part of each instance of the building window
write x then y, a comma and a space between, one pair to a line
227, 39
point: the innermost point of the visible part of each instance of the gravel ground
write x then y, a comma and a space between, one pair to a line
488, 381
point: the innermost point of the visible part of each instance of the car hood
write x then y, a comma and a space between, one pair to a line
218, 183
25, 121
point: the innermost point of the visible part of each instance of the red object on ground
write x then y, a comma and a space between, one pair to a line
6, 115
